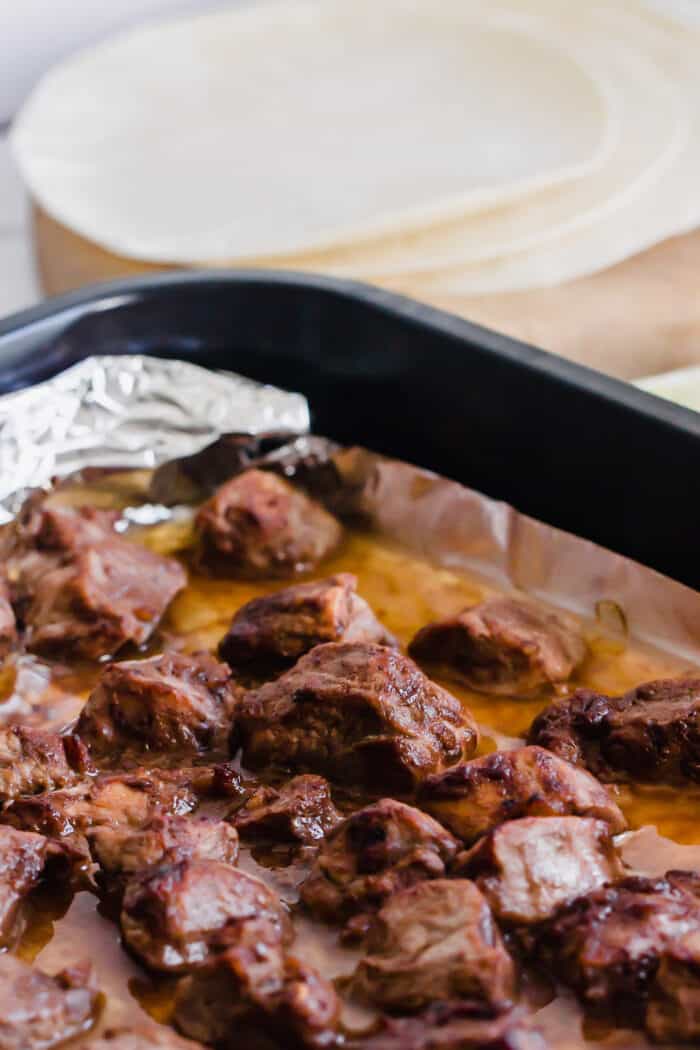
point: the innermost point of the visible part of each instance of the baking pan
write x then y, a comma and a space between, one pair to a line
565, 444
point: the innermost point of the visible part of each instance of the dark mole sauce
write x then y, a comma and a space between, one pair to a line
405, 593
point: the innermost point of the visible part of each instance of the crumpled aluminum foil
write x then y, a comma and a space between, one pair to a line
128, 411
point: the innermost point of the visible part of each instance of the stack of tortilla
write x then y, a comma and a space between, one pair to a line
479, 146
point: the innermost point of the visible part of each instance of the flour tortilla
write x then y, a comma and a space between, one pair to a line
643, 142
659, 203
289, 126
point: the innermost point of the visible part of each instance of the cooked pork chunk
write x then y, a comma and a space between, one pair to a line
41, 529
52, 813
360, 714
131, 799
111, 800
248, 968
34, 760
462, 1025
527, 869
37, 1011
435, 940
272, 632
107, 596
503, 645
475, 797
22, 860
251, 995
651, 733
375, 852
301, 810
190, 479
175, 914
171, 703
673, 1011
80, 589
145, 1037
122, 851
307, 1008
621, 943
258, 525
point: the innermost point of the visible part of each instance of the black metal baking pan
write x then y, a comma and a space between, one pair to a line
563, 443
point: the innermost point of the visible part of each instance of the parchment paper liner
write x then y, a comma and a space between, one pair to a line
463, 530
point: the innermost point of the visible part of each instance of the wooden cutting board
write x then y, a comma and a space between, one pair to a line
634, 319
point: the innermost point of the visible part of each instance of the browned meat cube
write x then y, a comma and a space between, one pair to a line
527, 869
503, 645
168, 703
258, 525
231, 983
651, 733
41, 528
475, 797
37, 1011
146, 1037
274, 631
463, 1025
673, 1010
122, 851
306, 458
174, 915
132, 798
307, 1008
247, 996
360, 714
42, 537
110, 800
609, 944
375, 852
301, 810
80, 589
111, 594
8, 625
34, 760
84, 590
189, 479
22, 860
52, 813
435, 940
